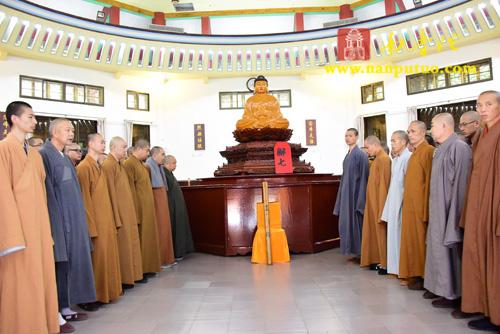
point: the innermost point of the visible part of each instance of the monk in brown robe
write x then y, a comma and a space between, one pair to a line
159, 183
481, 220
374, 236
101, 223
122, 202
470, 124
262, 110
28, 293
415, 208
142, 193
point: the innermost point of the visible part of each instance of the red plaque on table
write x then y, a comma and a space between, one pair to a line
283, 157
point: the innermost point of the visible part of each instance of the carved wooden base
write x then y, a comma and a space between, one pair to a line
267, 133
257, 157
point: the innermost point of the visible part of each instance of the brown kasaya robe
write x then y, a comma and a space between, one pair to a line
102, 229
415, 212
142, 192
374, 237
122, 202
481, 220
28, 293
164, 225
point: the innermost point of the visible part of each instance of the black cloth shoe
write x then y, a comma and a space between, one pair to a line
459, 314
149, 275
446, 303
418, 285
382, 271
142, 281
429, 295
374, 266
90, 307
66, 328
127, 286
484, 324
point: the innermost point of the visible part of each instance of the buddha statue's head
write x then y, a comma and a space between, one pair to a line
260, 85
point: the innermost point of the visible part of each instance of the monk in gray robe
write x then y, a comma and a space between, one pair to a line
393, 209
72, 243
351, 198
449, 176
181, 230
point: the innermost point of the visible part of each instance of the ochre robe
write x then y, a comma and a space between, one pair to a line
142, 192
129, 245
481, 220
28, 293
374, 236
415, 212
102, 229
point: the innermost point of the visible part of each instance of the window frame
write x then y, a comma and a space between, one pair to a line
447, 77
138, 104
63, 91
372, 85
240, 93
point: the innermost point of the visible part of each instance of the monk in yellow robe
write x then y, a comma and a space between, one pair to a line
159, 183
101, 223
415, 208
142, 192
122, 202
28, 293
374, 236
481, 220
262, 110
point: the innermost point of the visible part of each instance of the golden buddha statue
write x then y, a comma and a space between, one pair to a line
262, 110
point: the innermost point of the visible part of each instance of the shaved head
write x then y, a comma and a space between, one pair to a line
56, 124
493, 92
35, 142
401, 135
442, 127
421, 125
169, 158
445, 118
470, 116
470, 123
141, 143
370, 140
116, 141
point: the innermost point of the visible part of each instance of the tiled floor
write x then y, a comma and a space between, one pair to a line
314, 293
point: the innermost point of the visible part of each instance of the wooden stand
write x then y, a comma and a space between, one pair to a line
224, 221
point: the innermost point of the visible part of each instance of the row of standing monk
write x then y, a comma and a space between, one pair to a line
431, 219
80, 235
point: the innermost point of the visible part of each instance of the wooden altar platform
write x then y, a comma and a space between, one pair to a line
223, 212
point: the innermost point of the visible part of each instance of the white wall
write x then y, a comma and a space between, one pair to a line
369, 12
333, 100
252, 25
114, 110
192, 102
315, 21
